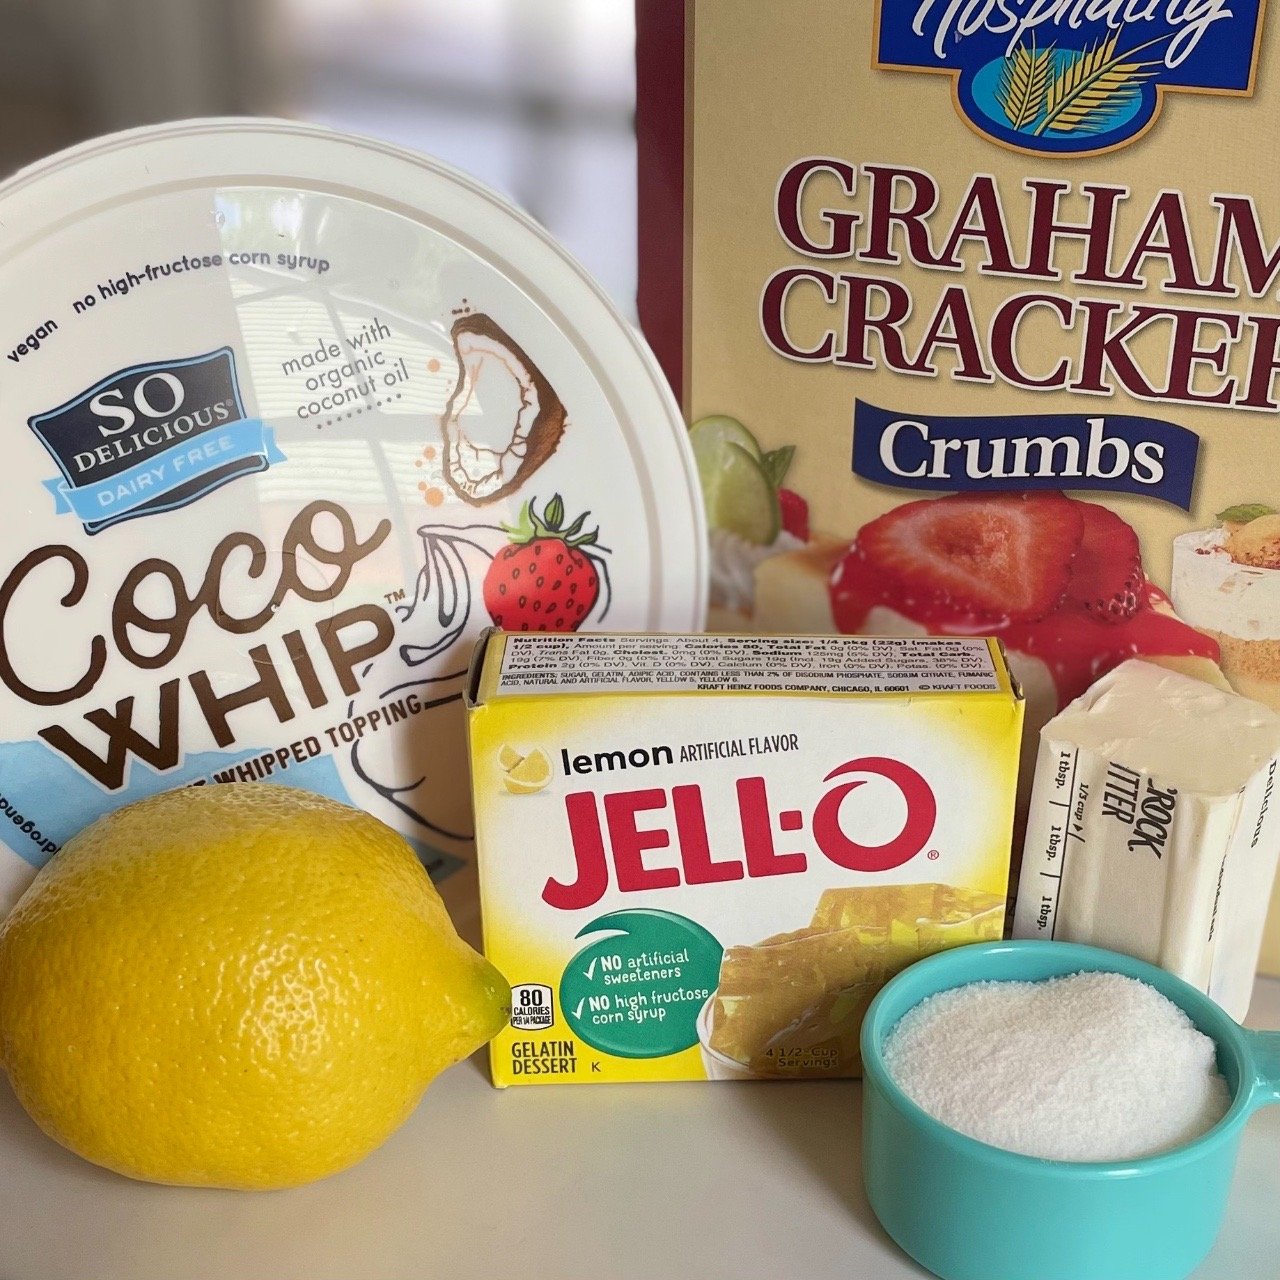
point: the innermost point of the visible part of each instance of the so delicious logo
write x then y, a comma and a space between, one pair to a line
615, 837
152, 438
1073, 77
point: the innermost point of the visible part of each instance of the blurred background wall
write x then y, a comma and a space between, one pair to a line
535, 97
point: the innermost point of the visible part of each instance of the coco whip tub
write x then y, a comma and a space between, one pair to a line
277, 401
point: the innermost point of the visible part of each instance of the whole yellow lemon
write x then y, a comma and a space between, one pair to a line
238, 986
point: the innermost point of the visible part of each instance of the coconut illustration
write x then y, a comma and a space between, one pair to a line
503, 420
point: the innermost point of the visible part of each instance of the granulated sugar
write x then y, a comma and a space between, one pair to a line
1094, 1066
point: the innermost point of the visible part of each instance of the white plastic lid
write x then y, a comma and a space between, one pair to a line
274, 399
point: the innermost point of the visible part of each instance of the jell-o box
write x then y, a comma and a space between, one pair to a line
700, 857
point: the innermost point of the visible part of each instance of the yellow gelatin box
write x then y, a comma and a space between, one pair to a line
701, 856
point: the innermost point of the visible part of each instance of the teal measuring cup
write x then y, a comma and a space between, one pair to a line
969, 1211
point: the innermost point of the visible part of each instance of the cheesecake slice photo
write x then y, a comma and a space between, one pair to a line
1226, 581
1059, 580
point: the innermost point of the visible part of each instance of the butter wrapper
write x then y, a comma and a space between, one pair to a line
1153, 828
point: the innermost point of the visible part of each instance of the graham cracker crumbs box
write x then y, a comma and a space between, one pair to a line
701, 856
972, 307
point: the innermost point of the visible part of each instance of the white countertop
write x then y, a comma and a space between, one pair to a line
605, 1182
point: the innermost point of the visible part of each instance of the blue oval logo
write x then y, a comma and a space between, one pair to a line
1074, 78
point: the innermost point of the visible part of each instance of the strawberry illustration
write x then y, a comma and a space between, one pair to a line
1107, 580
995, 557
543, 581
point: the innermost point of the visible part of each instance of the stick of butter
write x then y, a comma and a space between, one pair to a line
1153, 828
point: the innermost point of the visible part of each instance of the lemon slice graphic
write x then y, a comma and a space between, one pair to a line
508, 757
530, 775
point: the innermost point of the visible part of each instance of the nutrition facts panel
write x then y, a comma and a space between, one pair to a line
748, 664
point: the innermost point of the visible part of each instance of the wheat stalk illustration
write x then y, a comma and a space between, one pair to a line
1098, 83
1024, 84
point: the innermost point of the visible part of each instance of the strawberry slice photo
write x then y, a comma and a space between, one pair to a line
795, 514
545, 580
994, 557
1107, 578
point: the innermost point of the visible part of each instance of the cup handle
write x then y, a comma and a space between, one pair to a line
1264, 1049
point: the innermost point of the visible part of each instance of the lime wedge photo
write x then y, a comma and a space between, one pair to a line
712, 433
738, 494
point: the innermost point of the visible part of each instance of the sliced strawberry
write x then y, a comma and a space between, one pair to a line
1107, 580
795, 514
995, 557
